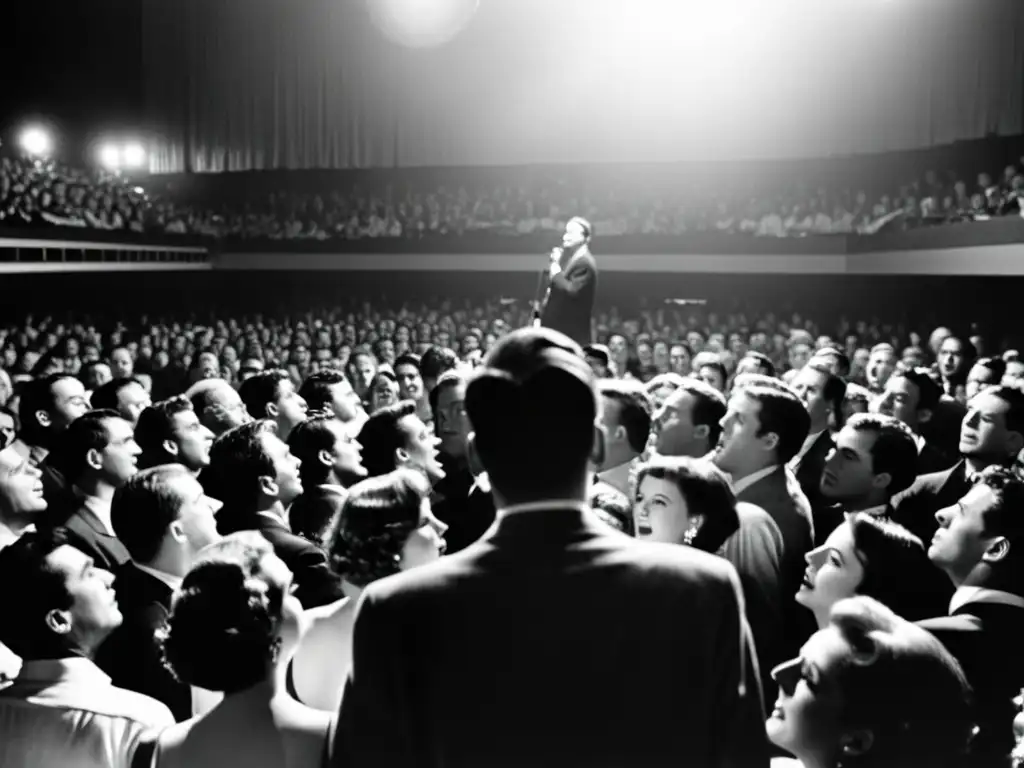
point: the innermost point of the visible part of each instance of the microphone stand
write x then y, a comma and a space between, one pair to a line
540, 298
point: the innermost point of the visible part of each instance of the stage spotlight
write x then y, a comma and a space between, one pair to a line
36, 141
134, 155
110, 157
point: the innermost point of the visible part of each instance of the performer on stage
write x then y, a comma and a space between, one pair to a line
571, 284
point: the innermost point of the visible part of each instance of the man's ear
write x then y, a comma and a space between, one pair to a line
170, 447
44, 419
701, 431
770, 441
924, 415
59, 621
269, 487
272, 410
881, 480
997, 550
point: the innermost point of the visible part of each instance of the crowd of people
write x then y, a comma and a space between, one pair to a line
208, 526
391, 204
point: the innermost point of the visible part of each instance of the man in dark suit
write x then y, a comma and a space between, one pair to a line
912, 397
169, 432
513, 650
822, 393
980, 546
572, 284
875, 458
763, 430
253, 471
164, 519
97, 454
992, 433
331, 461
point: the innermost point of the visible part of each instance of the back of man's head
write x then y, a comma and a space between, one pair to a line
533, 407
144, 508
382, 435
87, 434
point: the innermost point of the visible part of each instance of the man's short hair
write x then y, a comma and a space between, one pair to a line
635, 409
783, 414
408, 358
306, 440
929, 391
1013, 396
238, 459
600, 352
316, 389
106, 397
86, 433
451, 378
156, 426
37, 395
144, 507
436, 361
261, 389
995, 365
1004, 519
671, 380
745, 380
894, 450
533, 408
708, 409
381, 437
39, 590
841, 358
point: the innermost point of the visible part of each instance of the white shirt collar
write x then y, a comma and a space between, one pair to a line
172, 581
878, 511
739, 486
77, 668
795, 461
966, 595
544, 506
920, 443
8, 537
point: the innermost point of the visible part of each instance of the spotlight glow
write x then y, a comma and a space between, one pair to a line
134, 155
110, 157
36, 141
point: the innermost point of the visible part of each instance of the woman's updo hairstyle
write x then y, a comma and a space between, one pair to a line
903, 686
376, 520
222, 630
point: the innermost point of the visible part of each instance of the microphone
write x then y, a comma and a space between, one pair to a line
687, 302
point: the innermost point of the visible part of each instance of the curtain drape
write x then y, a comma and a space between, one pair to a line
260, 84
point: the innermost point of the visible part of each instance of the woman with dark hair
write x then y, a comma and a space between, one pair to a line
871, 690
684, 501
386, 526
232, 626
878, 559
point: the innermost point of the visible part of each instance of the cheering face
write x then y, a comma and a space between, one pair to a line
21, 486
984, 433
410, 383
807, 717
345, 403
833, 572
191, 440
120, 458
881, 365
951, 357
660, 512
346, 454
291, 408
741, 446
420, 449
286, 469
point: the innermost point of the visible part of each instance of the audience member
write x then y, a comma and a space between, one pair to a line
61, 709
169, 432
232, 628
272, 395
385, 527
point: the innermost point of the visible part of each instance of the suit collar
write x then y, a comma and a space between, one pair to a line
748, 482
169, 580
543, 524
966, 598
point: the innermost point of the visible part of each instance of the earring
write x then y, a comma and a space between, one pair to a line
691, 532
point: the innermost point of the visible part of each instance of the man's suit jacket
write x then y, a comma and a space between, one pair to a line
780, 496
755, 550
131, 655
88, 534
468, 515
554, 640
915, 508
314, 510
315, 583
570, 300
931, 460
808, 474
986, 639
